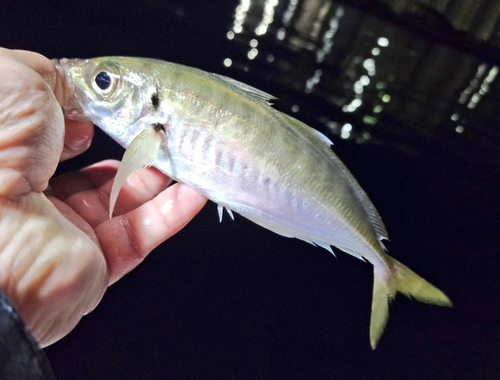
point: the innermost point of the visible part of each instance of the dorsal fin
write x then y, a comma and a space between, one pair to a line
252, 91
321, 138
374, 216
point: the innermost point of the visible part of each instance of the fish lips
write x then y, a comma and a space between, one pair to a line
73, 96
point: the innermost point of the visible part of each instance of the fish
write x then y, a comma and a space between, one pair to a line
224, 139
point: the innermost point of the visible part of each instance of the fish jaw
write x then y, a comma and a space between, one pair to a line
70, 70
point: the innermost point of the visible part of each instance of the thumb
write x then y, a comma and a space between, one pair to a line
31, 128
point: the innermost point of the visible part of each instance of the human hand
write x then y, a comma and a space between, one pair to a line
59, 250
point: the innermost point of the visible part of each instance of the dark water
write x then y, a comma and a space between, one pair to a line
413, 113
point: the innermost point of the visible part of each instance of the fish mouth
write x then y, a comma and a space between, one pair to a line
67, 70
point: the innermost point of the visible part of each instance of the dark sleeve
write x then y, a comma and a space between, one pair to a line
20, 355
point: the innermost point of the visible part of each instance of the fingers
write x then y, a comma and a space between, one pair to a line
31, 129
78, 135
87, 191
41, 65
37, 62
33, 138
77, 139
127, 239
52, 267
145, 218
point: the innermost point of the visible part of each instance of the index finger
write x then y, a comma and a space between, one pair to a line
127, 239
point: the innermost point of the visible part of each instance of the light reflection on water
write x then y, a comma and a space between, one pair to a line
369, 80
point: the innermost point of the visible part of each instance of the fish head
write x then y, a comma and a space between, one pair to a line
115, 93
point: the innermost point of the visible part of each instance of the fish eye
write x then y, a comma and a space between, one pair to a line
103, 80
106, 81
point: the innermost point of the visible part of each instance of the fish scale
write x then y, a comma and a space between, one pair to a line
224, 139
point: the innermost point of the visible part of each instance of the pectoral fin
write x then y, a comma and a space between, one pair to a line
141, 152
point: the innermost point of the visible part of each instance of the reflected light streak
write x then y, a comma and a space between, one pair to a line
353, 106
281, 34
290, 11
345, 132
252, 53
240, 15
382, 41
368, 119
369, 65
313, 81
267, 17
364, 80
477, 88
358, 87
474, 92
327, 40
473, 84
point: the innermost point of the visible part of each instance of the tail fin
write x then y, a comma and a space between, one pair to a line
405, 281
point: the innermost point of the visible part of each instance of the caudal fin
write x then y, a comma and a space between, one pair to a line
405, 281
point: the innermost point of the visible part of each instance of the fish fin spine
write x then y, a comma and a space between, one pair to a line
220, 211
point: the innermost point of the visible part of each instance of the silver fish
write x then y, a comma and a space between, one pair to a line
223, 138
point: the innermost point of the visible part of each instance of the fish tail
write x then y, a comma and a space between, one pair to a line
403, 280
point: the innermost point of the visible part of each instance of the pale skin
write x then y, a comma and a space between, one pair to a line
59, 250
